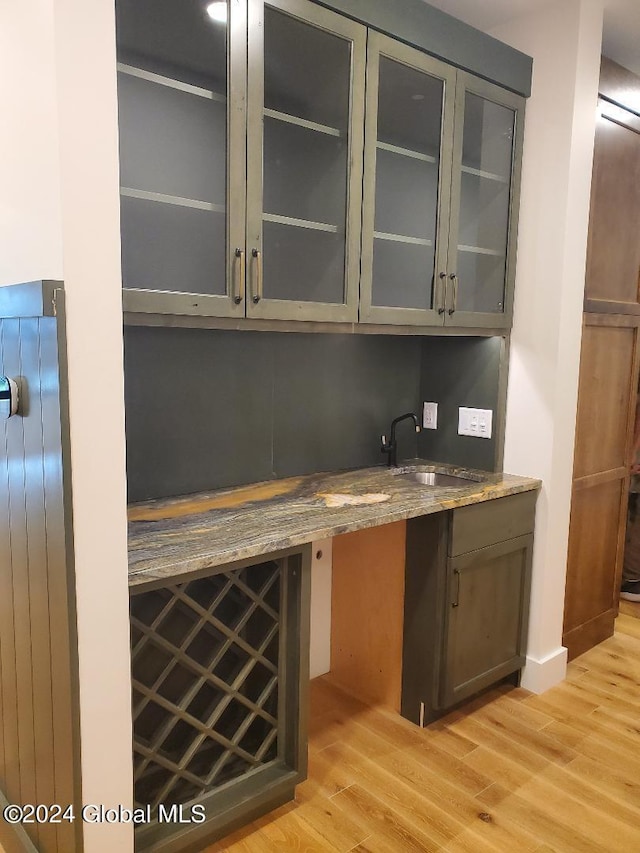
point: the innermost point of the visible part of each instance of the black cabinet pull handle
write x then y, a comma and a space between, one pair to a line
441, 295
239, 277
456, 575
454, 279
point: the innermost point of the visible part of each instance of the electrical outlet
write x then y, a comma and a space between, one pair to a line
475, 422
430, 416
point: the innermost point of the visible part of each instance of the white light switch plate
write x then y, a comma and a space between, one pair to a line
475, 422
430, 416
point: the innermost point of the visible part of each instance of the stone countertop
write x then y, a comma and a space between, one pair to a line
174, 536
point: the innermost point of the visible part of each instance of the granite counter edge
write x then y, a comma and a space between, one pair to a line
269, 543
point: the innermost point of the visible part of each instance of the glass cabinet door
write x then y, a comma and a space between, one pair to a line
409, 127
306, 101
181, 99
487, 148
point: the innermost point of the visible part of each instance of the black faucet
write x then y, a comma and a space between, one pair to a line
391, 447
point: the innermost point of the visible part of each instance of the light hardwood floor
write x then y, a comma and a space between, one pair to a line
512, 772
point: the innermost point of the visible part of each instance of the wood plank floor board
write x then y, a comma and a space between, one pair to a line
492, 830
516, 729
595, 822
540, 818
492, 764
509, 772
616, 761
584, 782
408, 804
452, 770
386, 823
604, 698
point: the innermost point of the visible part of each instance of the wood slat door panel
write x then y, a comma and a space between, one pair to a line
613, 265
604, 399
39, 617
39, 736
12, 366
9, 713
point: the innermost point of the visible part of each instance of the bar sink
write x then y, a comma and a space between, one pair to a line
430, 476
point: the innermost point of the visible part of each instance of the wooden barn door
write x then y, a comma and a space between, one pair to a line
608, 370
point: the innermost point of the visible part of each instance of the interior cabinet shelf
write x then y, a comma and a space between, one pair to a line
130, 192
400, 238
300, 223
161, 80
405, 152
478, 250
480, 173
303, 122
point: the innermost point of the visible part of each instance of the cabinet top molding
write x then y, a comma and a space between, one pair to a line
439, 34
28, 299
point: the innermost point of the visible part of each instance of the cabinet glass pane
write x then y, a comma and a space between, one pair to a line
485, 191
172, 85
406, 194
303, 264
305, 160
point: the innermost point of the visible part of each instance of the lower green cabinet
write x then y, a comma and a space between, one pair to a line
219, 687
467, 589
485, 619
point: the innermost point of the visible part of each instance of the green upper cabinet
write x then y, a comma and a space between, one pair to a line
485, 188
252, 185
305, 116
236, 204
409, 127
181, 100
441, 158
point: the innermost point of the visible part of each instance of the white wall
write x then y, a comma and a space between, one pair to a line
30, 217
59, 219
564, 40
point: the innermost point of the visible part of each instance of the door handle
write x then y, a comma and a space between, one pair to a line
257, 275
456, 577
441, 295
239, 268
454, 304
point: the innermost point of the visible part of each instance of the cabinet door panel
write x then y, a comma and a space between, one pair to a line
394, 261
613, 265
305, 263
170, 248
305, 161
406, 188
182, 185
485, 186
485, 631
291, 188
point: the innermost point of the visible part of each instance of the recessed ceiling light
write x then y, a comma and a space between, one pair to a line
217, 11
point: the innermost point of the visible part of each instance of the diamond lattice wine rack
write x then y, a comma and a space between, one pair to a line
219, 687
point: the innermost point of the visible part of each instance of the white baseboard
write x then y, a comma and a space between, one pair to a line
540, 675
